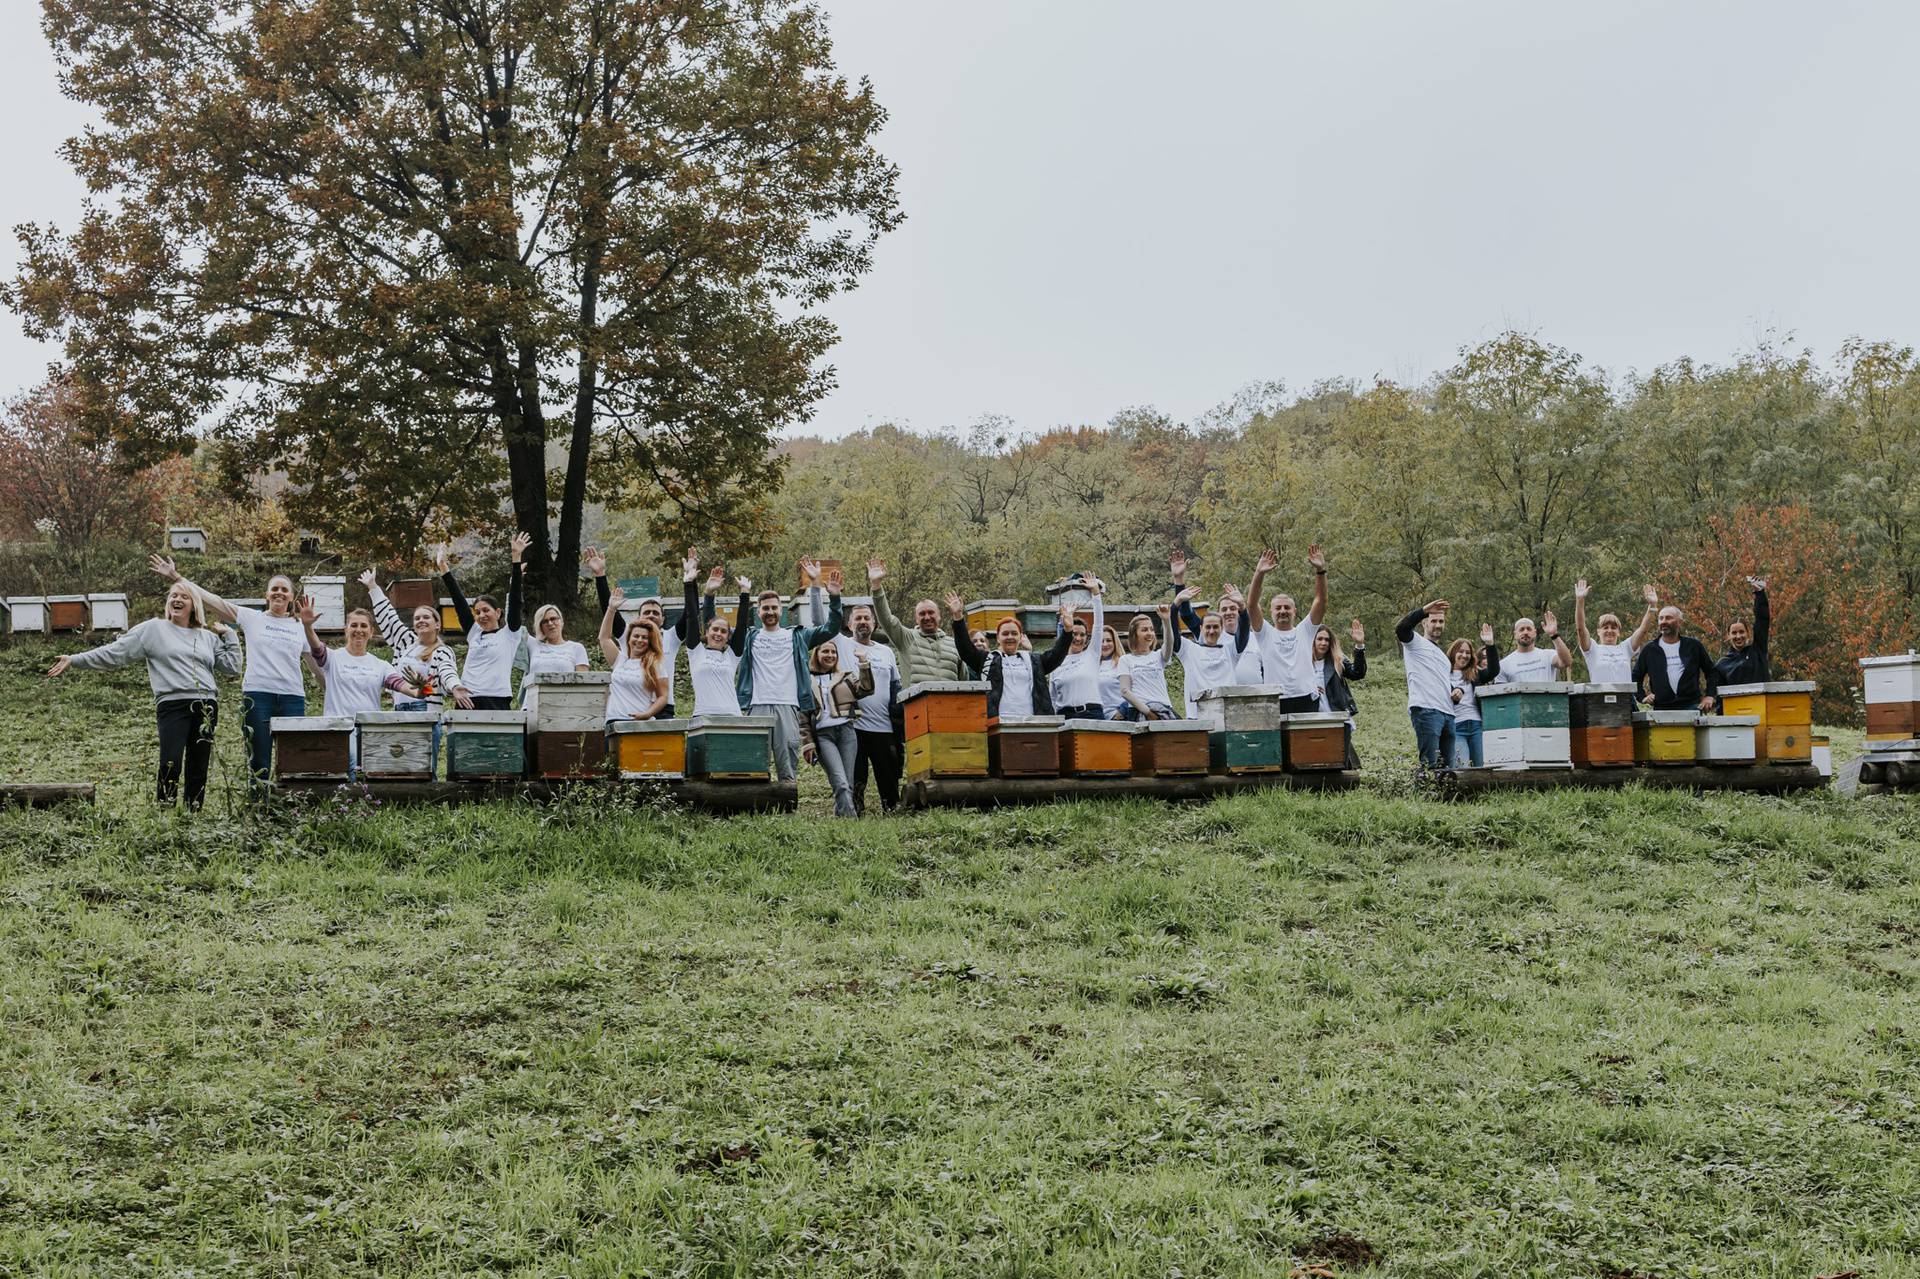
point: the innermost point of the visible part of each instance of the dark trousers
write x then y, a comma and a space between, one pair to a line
257, 711
492, 703
882, 751
186, 741
1305, 704
1093, 710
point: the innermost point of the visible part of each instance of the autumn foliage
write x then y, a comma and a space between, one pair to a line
57, 482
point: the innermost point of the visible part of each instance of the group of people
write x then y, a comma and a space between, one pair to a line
832, 686
1666, 668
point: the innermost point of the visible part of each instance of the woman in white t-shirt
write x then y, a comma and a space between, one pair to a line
1468, 673
641, 686
714, 663
551, 652
1143, 668
1209, 661
351, 677
271, 682
1610, 660
493, 637
1107, 674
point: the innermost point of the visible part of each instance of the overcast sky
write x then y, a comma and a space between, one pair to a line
1114, 203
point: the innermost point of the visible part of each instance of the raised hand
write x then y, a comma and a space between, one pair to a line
1177, 567
1486, 632
1165, 611
876, 572
596, 562
1435, 606
835, 580
956, 607
1317, 558
716, 576
1269, 560
1580, 589
616, 597
690, 567
164, 566
1357, 632
1186, 594
369, 579
1650, 595
309, 610
517, 545
1231, 592
809, 570
1757, 583
746, 587
1066, 617
59, 666
442, 564
1549, 624
1094, 584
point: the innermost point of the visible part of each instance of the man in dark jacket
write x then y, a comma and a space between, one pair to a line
1746, 660
1674, 673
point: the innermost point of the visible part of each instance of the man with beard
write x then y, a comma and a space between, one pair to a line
924, 651
878, 748
1674, 671
773, 677
1527, 664
1286, 649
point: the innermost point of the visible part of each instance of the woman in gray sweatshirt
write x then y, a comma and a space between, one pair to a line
182, 655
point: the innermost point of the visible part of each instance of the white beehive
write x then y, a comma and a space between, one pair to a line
1892, 679
27, 615
566, 701
1725, 739
397, 745
330, 597
185, 538
107, 612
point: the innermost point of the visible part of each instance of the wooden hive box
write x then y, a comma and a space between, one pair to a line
1527, 725
313, 747
1892, 721
730, 748
1785, 711
1097, 748
1892, 688
1600, 706
107, 612
183, 538
986, 615
330, 597
947, 755
558, 755
1024, 745
66, 613
1665, 737
657, 748
566, 701
1040, 621
409, 593
449, 617
1240, 708
1172, 748
944, 706
26, 615
1725, 739
1316, 741
486, 745
397, 746
1260, 751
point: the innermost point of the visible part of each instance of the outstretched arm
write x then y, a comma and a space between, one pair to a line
1251, 612
1169, 634
1403, 629
737, 641
1318, 559
1644, 632
597, 565
1580, 615
609, 650
461, 609
517, 545
1762, 613
1562, 659
211, 604
316, 652
129, 648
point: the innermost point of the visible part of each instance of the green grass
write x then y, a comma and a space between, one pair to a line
1629, 1033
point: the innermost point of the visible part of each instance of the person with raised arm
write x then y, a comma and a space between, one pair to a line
1143, 668
773, 678
876, 748
1017, 678
684, 630
493, 637
271, 682
1610, 660
1239, 663
713, 664
927, 652
184, 654
1528, 664
1286, 649
641, 683
1235, 623
1207, 657
1466, 676
1747, 660
826, 732
419, 654
1075, 687
1675, 671
1429, 691
1336, 670
351, 677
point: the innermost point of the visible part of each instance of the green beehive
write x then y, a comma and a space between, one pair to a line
1524, 706
729, 747
486, 745
1247, 751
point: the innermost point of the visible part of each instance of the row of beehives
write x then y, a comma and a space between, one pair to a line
107, 611
560, 732
1601, 726
949, 736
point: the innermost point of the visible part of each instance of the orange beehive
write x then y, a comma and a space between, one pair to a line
650, 748
1316, 741
945, 706
1602, 747
1097, 748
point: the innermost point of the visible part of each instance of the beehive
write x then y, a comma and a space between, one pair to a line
947, 755
1600, 725
1240, 708
1260, 751
566, 701
1784, 708
1664, 737
409, 593
67, 613
449, 617
986, 615
1316, 741
656, 748
1526, 725
1040, 621
1097, 748
1725, 739
1024, 745
329, 596
186, 539
27, 615
945, 706
726, 748
1892, 687
1171, 748
313, 748
397, 746
486, 745
107, 612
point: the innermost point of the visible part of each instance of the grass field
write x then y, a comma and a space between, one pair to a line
1610, 1035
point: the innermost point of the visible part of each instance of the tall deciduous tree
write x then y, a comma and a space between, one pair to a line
401, 247
55, 479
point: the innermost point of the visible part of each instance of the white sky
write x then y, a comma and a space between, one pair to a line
1113, 202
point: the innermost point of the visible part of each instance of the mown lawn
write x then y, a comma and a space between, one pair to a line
1623, 1034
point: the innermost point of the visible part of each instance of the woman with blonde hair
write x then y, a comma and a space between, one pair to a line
551, 652
826, 734
183, 654
642, 684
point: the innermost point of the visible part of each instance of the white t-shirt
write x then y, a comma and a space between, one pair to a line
1208, 666
490, 654
1149, 676
875, 714
1609, 663
627, 694
1286, 658
1535, 666
1107, 675
1016, 683
1428, 685
352, 684
1671, 651
274, 646
556, 659
1248, 668
773, 682
1076, 681
713, 670
1467, 709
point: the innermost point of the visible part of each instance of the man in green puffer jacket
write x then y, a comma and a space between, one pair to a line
925, 650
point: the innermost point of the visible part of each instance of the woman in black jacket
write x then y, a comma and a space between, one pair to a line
1338, 670
1017, 682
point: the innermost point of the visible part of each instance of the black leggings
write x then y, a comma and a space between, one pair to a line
186, 738
879, 752
492, 703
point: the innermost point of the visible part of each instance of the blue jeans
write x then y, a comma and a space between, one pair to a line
1433, 732
1467, 752
257, 711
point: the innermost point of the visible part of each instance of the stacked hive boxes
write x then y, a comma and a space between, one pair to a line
486, 745
1893, 697
946, 723
1784, 711
1527, 725
725, 748
1600, 724
567, 722
657, 748
1246, 728
1025, 745
1725, 739
1665, 737
313, 748
397, 746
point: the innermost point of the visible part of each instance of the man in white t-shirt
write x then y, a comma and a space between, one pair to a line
1429, 693
773, 679
879, 749
1610, 659
1527, 664
1286, 649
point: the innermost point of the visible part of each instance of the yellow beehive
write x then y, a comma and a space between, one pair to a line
1664, 737
1784, 709
947, 755
986, 615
